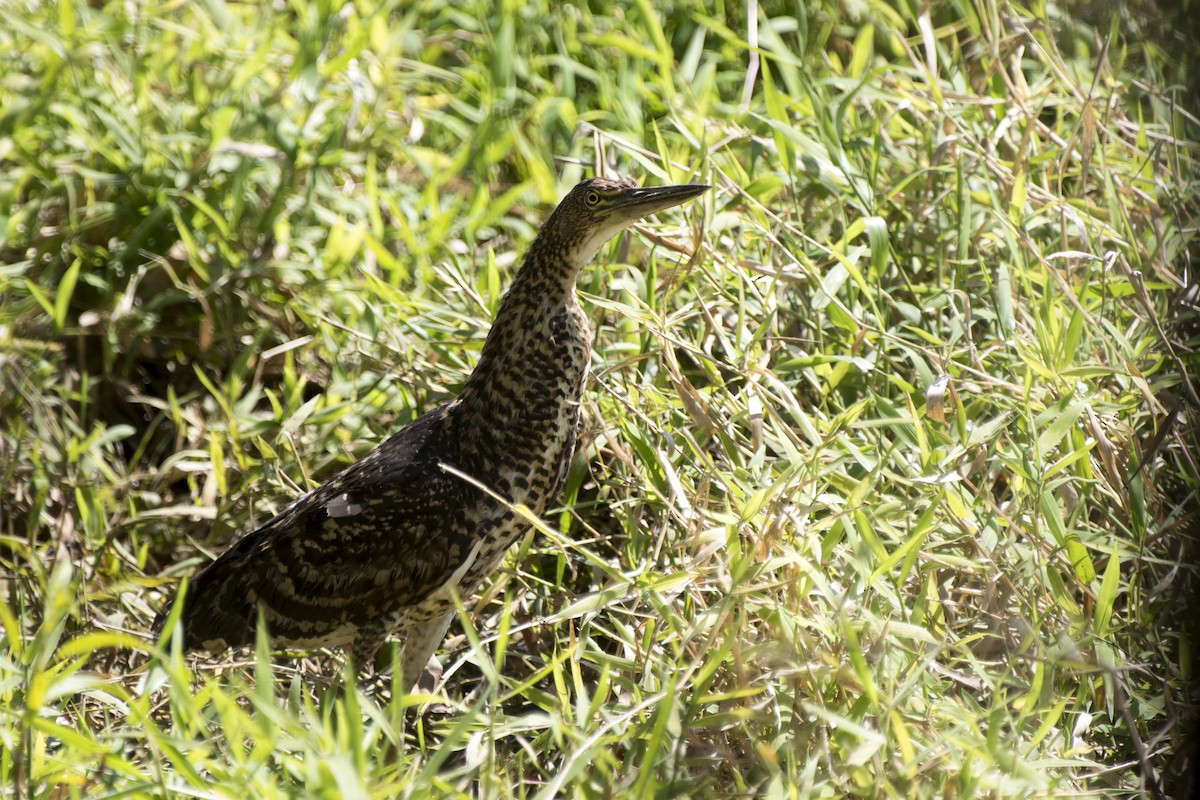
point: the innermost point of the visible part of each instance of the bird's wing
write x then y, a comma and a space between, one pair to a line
383, 534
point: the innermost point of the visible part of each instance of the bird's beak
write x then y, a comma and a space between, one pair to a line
641, 202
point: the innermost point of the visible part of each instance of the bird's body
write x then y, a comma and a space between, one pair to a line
379, 548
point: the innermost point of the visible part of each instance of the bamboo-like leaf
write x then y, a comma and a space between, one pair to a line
66, 289
1103, 614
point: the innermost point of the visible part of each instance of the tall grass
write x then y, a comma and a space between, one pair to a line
887, 481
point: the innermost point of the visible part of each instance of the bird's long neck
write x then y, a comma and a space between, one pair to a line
530, 374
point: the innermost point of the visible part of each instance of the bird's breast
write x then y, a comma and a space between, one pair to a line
522, 420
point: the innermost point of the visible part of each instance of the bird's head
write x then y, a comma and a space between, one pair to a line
599, 208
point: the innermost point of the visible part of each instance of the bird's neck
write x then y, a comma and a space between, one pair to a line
531, 372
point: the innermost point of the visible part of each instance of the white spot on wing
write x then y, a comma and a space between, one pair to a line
343, 506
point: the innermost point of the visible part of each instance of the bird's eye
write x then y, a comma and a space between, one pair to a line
592, 198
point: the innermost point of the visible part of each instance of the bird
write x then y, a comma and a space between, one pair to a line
380, 549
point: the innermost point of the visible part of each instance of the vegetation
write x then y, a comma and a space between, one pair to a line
886, 487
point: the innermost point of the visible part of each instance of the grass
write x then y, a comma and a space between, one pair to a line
888, 479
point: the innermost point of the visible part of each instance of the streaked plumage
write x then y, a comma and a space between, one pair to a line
375, 550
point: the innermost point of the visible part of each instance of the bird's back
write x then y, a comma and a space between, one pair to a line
380, 535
